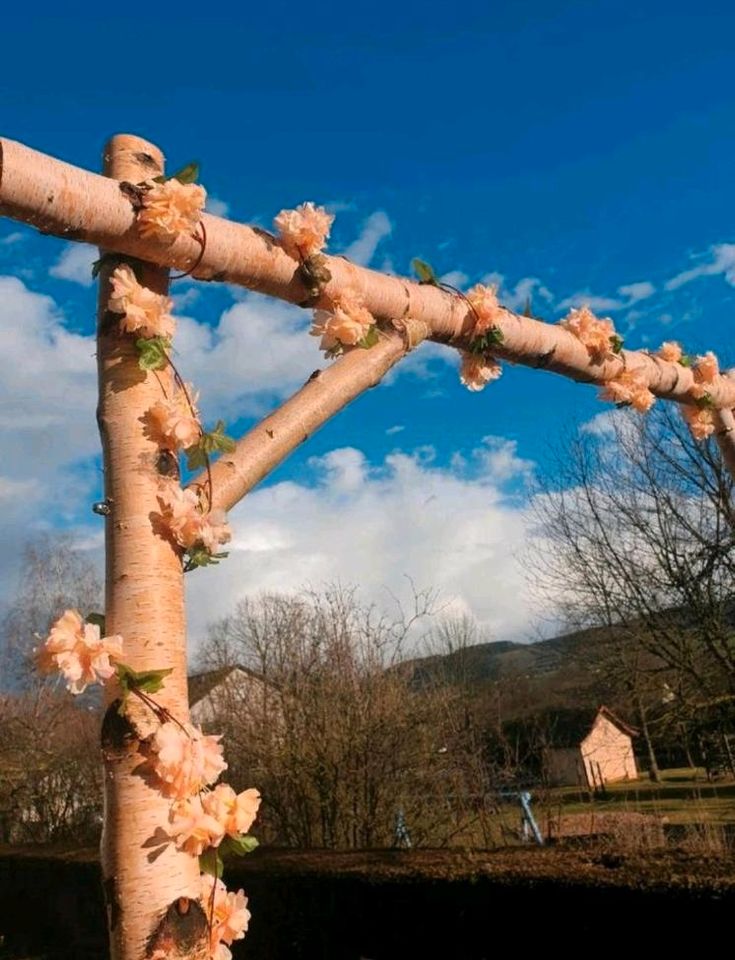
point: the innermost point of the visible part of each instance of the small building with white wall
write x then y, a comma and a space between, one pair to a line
589, 750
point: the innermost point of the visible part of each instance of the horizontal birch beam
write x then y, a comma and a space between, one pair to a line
277, 435
68, 202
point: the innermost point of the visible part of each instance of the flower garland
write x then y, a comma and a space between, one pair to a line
597, 335
345, 323
173, 423
478, 365
182, 762
303, 234
170, 207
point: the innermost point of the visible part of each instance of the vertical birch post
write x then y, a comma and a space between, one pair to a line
147, 881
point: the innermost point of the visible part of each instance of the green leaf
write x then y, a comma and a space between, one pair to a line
153, 352
214, 441
211, 862
196, 458
187, 174
487, 341
616, 342
424, 271
199, 557
686, 360
238, 846
149, 681
98, 619
705, 401
370, 338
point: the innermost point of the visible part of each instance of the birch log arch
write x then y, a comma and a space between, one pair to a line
153, 891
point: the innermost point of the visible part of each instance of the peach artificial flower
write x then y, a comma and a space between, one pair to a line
707, 367
235, 812
173, 423
215, 531
184, 759
700, 420
346, 324
229, 912
593, 332
144, 312
706, 370
77, 651
303, 231
181, 513
487, 311
193, 828
670, 350
629, 387
477, 370
171, 208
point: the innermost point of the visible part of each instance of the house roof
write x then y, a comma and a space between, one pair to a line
569, 727
202, 684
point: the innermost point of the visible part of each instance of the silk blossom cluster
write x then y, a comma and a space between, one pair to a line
343, 322
168, 209
179, 759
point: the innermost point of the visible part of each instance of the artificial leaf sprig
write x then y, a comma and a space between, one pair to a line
210, 442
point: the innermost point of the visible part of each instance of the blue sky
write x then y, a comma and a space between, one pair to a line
581, 150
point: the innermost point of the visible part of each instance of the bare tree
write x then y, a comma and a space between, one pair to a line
51, 578
342, 736
636, 534
50, 777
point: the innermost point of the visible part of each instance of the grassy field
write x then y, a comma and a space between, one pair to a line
691, 809
683, 796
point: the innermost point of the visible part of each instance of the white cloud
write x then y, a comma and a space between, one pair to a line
47, 428
217, 207
722, 261
398, 428
526, 290
447, 527
609, 423
376, 228
584, 298
11, 238
75, 264
455, 278
259, 348
18, 490
48, 388
628, 294
498, 458
637, 291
